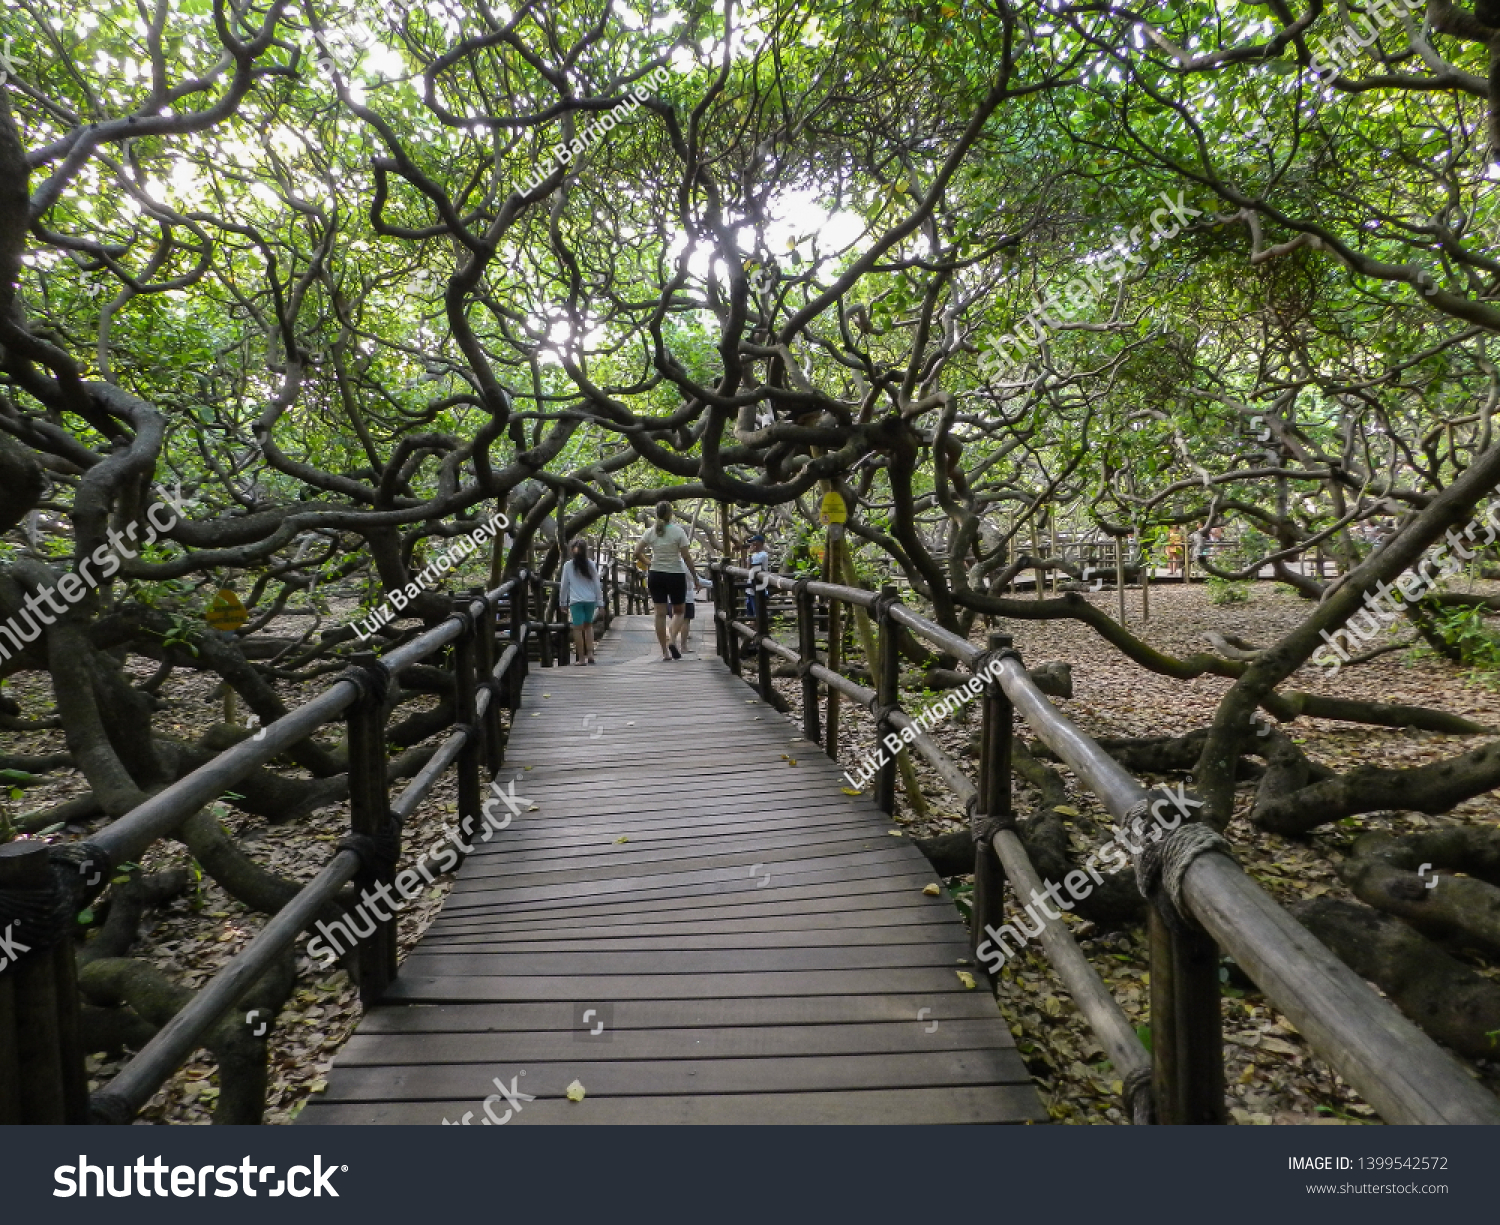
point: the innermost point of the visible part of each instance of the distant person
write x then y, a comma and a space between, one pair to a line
580, 592
760, 563
671, 567
689, 600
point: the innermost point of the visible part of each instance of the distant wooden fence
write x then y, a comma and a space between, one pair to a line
1392, 1064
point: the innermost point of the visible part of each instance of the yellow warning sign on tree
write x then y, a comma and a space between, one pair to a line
834, 510
226, 612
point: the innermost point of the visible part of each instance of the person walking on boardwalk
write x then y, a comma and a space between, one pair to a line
580, 593
671, 567
760, 563
689, 601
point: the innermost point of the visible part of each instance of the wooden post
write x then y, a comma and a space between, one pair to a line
470, 792
835, 643
731, 614
888, 694
1187, 1044
539, 620
807, 647
516, 677
494, 739
41, 1060
1120, 575
763, 653
993, 801
1146, 575
370, 815
1039, 571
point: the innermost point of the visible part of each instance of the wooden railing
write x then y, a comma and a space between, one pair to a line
42, 1076
1392, 1064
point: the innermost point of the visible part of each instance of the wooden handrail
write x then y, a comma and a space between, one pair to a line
1396, 1067
471, 630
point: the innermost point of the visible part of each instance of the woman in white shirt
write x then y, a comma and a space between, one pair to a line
580, 592
671, 567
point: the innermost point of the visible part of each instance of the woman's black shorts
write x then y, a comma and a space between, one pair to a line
666, 588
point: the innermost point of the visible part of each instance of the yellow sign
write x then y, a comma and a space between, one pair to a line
226, 612
834, 510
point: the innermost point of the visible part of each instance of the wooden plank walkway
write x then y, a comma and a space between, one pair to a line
691, 927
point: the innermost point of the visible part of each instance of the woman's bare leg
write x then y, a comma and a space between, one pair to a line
661, 630
588, 641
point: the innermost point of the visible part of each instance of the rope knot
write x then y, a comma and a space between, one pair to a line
1161, 863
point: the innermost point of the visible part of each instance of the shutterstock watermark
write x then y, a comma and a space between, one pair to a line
1387, 602
1334, 55
513, 1095
359, 923
73, 587
396, 600
1000, 356
1080, 883
596, 129
192, 1181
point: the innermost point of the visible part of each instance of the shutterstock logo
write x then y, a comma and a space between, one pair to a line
316, 1180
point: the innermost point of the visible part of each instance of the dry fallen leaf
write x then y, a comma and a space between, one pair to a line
895, 833
620, 839
966, 978
1067, 810
932, 890
850, 791
575, 1091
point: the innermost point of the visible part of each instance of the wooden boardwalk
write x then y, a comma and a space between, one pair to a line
687, 948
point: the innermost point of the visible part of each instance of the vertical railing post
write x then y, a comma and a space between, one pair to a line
465, 682
515, 679
371, 821
763, 652
731, 615
835, 657
614, 582
1187, 1039
807, 647
992, 806
494, 739
716, 584
42, 1078
887, 694
539, 620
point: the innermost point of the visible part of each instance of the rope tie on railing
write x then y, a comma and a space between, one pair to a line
374, 683
465, 617
379, 852
882, 715
1161, 865
496, 689
881, 609
984, 829
985, 660
1136, 1095
468, 729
